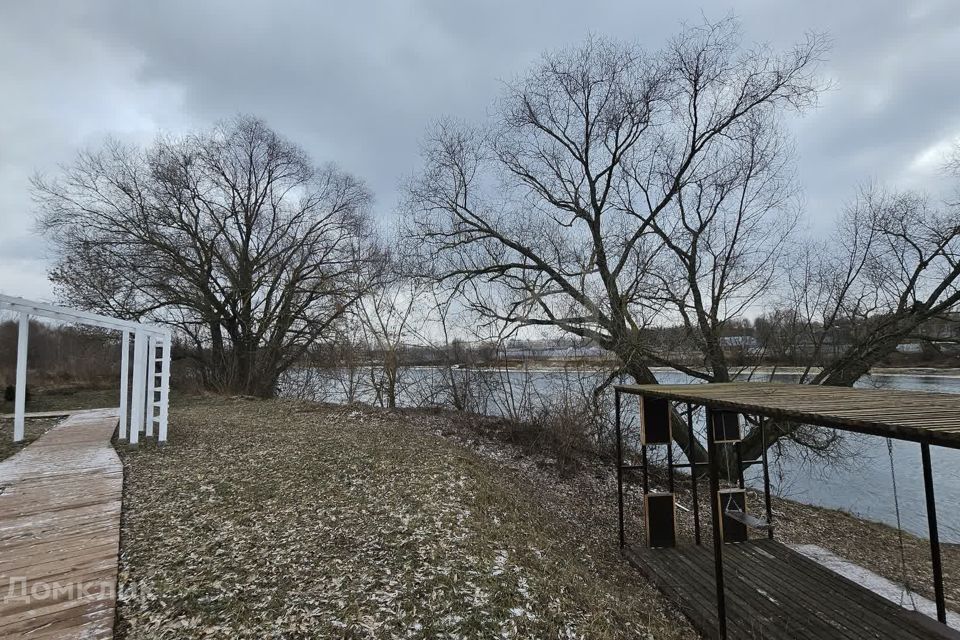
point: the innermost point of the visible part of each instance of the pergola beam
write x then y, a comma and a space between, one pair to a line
45, 310
137, 410
124, 384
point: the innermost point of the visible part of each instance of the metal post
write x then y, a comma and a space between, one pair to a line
616, 404
124, 383
164, 390
693, 476
934, 533
717, 541
670, 463
766, 476
20, 397
137, 400
644, 471
739, 455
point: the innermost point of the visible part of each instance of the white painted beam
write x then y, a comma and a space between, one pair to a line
138, 399
124, 383
151, 384
164, 390
42, 309
20, 398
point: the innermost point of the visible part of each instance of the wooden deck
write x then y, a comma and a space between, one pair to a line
60, 532
775, 593
920, 416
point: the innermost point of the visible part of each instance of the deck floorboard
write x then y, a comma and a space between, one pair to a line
775, 593
60, 532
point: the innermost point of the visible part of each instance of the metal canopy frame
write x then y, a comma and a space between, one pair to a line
676, 393
144, 404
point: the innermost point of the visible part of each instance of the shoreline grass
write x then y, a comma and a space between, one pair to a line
281, 519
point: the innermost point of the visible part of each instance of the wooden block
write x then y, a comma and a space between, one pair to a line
654, 421
726, 426
732, 500
660, 512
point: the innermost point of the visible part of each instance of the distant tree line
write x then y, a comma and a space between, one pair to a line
60, 354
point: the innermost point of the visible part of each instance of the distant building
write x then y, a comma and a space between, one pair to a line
551, 350
909, 347
742, 343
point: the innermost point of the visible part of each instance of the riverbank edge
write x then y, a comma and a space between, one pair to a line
869, 544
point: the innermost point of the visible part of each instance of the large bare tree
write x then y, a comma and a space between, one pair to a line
232, 235
614, 189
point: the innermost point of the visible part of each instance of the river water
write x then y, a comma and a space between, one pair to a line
862, 484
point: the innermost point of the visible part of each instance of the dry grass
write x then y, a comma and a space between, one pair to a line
32, 429
290, 520
68, 397
287, 520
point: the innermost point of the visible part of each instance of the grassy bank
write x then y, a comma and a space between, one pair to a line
282, 519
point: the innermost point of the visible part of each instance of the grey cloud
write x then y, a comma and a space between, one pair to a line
358, 82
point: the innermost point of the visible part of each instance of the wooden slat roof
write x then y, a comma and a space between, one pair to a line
919, 416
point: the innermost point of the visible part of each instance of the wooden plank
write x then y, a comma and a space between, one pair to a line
848, 608
909, 415
774, 593
60, 532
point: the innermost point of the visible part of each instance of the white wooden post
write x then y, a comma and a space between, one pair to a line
20, 399
137, 404
151, 383
164, 390
124, 382
145, 408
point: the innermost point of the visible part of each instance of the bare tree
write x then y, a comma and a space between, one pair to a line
232, 236
392, 313
458, 368
614, 189
892, 265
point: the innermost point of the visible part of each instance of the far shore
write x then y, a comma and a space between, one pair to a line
550, 366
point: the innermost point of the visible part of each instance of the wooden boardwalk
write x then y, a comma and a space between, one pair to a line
60, 532
775, 593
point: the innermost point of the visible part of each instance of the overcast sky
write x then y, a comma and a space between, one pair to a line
358, 82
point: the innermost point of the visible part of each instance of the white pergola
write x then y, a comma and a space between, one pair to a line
148, 404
